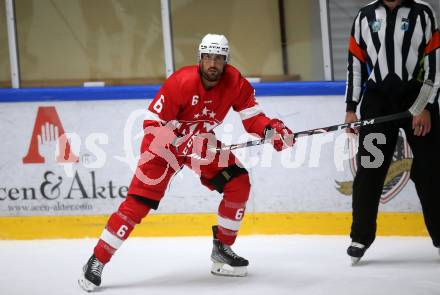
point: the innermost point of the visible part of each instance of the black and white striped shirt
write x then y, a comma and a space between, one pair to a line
404, 41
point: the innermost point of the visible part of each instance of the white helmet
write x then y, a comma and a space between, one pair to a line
214, 44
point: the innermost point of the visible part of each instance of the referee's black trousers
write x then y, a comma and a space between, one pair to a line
369, 182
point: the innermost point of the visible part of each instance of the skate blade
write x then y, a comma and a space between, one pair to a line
222, 269
355, 260
86, 285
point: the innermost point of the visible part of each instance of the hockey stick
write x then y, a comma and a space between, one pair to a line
416, 109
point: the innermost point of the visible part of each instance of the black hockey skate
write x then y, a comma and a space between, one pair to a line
91, 277
225, 261
356, 251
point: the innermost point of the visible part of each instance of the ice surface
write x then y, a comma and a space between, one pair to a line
278, 265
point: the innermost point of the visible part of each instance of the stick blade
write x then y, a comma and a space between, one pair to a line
422, 99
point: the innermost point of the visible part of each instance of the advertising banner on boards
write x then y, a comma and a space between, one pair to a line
78, 158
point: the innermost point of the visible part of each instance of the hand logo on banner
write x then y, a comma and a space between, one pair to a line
48, 142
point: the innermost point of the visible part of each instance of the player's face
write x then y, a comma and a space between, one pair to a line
212, 66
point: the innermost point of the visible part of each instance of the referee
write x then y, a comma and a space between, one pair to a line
393, 48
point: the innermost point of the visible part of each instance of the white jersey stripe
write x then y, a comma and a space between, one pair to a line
357, 78
413, 50
250, 112
228, 223
357, 68
371, 51
381, 15
149, 115
399, 30
111, 239
427, 32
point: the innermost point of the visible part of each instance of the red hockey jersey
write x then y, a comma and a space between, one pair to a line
192, 109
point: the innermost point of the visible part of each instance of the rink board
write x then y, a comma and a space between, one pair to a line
304, 190
160, 225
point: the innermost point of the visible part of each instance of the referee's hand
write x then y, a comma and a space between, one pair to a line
421, 124
351, 117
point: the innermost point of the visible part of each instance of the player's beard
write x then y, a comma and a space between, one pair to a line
212, 74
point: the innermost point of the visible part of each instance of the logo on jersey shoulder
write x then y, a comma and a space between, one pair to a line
375, 25
398, 173
405, 24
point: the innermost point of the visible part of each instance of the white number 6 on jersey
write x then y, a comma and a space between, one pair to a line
159, 104
239, 214
121, 231
195, 100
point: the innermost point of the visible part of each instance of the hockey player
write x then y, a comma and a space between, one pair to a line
177, 132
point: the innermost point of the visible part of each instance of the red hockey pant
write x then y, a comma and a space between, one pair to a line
148, 187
